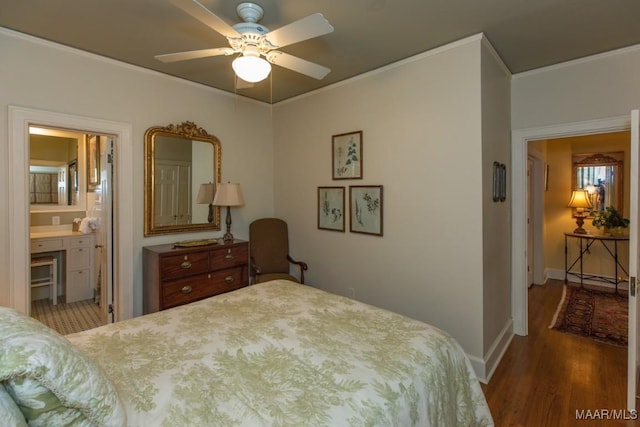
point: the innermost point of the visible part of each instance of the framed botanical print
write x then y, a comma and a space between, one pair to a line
346, 156
331, 208
365, 207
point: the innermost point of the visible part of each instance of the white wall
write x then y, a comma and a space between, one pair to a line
496, 238
45, 76
422, 140
597, 87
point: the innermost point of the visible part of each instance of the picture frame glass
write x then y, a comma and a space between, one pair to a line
366, 207
347, 156
331, 208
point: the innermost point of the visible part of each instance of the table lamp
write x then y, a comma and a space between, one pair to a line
580, 200
205, 196
228, 195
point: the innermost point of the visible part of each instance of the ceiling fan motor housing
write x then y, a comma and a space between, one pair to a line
252, 34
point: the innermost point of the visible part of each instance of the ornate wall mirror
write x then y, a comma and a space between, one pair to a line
601, 175
178, 160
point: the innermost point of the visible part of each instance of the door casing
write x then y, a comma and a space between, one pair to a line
19, 120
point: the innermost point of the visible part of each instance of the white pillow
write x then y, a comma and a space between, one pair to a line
51, 379
11, 414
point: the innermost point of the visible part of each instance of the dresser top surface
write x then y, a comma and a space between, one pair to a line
172, 249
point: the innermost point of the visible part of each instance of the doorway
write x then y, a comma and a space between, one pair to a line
70, 226
519, 203
548, 216
19, 121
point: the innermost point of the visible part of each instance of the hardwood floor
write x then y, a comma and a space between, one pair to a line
549, 378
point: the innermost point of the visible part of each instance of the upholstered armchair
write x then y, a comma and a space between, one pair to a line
269, 251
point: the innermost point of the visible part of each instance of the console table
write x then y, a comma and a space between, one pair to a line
609, 242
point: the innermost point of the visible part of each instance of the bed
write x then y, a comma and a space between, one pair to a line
272, 354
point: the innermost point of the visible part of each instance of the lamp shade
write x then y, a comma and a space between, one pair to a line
251, 68
206, 193
228, 194
580, 200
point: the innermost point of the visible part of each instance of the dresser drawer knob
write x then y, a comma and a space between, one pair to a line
187, 289
229, 257
228, 279
186, 264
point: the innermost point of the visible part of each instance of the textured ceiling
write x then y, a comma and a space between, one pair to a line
369, 34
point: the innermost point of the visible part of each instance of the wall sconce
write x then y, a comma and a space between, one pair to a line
228, 195
580, 200
205, 196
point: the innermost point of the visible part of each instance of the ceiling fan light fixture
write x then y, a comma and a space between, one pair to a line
252, 69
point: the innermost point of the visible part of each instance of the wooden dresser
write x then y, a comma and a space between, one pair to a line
177, 276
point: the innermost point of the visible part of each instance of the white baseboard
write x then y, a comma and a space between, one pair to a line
484, 368
557, 274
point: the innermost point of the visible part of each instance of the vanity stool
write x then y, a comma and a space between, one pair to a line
50, 280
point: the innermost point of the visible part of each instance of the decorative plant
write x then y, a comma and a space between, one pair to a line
609, 218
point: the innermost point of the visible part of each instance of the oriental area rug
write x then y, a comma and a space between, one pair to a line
599, 315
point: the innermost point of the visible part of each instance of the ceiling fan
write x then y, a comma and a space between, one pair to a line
253, 41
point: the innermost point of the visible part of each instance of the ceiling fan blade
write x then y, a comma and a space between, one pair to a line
204, 15
194, 54
306, 28
297, 64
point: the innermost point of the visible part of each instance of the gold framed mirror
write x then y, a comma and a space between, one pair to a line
601, 174
179, 159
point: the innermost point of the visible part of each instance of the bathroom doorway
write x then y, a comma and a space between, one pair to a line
70, 210
121, 253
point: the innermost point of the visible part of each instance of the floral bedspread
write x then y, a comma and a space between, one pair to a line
284, 354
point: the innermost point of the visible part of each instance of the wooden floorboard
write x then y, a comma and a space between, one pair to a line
548, 377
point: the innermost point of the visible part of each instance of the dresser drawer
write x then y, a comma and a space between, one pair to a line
184, 291
229, 257
194, 288
79, 258
227, 280
79, 242
173, 267
46, 245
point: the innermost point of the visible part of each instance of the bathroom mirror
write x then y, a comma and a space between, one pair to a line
178, 160
601, 175
56, 174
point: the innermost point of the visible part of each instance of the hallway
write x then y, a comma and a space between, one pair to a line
548, 377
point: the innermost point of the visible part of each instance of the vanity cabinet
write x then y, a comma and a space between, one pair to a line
79, 268
175, 276
74, 254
